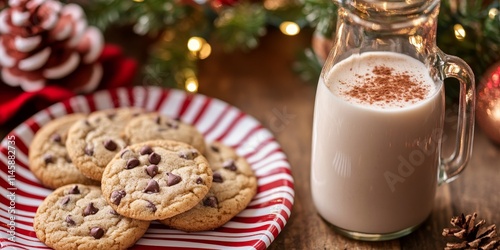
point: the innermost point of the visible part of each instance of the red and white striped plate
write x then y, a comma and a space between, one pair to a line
254, 228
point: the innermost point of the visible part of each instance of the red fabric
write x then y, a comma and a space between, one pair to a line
15, 103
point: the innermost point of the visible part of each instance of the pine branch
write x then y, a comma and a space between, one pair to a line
240, 26
321, 14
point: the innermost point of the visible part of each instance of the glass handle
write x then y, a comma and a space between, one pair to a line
453, 165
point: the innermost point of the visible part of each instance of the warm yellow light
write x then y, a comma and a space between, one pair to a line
205, 51
191, 84
199, 47
195, 43
138, 1
492, 13
459, 31
289, 28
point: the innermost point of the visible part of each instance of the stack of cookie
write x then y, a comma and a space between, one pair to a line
148, 166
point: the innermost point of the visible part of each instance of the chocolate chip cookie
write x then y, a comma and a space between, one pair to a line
154, 126
156, 179
48, 158
234, 185
78, 217
94, 141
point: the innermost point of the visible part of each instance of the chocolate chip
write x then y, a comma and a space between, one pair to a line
110, 145
65, 200
158, 119
152, 187
90, 209
70, 221
86, 122
152, 170
97, 232
111, 115
123, 152
47, 158
74, 190
229, 164
172, 124
56, 138
145, 150
154, 158
188, 154
151, 206
132, 163
68, 160
211, 202
214, 148
199, 180
173, 179
89, 150
116, 196
217, 177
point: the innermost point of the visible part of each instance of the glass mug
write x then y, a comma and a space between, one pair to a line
379, 116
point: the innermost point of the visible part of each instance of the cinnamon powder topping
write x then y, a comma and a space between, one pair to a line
385, 86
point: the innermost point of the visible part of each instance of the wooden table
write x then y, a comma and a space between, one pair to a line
261, 83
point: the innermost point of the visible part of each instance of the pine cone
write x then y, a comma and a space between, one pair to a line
45, 42
473, 235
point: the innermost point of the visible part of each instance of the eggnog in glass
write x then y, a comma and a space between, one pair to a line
374, 143
378, 120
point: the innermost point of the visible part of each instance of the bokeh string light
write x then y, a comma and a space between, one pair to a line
289, 28
199, 47
459, 32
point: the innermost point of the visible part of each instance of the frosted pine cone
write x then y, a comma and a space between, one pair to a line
44, 42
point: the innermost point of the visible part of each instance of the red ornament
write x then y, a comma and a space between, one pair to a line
488, 103
46, 43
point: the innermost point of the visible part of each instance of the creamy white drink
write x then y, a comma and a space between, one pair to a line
376, 136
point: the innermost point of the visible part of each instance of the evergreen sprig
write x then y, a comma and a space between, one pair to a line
240, 26
321, 14
147, 17
480, 46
